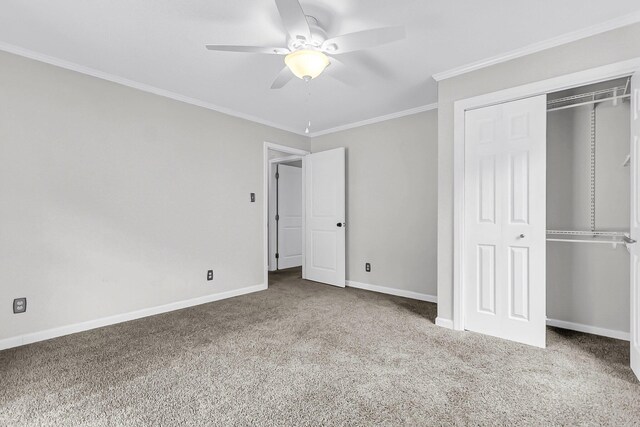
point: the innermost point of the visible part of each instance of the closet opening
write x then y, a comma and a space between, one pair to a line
588, 208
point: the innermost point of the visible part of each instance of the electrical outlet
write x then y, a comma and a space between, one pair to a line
209, 275
19, 305
367, 267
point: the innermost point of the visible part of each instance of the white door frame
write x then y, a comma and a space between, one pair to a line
593, 75
265, 198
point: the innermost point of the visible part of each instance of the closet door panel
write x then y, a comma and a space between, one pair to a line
483, 198
518, 126
519, 283
505, 221
634, 249
519, 188
486, 279
487, 189
635, 181
635, 316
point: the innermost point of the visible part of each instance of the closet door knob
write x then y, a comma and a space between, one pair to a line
522, 236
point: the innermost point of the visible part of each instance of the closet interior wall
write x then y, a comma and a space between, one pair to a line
588, 283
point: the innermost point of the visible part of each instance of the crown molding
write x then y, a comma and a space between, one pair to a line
378, 119
603, 27
16, 50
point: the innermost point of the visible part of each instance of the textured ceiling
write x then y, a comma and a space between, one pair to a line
161, 43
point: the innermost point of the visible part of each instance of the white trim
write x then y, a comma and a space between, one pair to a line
620, 335
603, 27
285, 159
140, 86
285, 149
593, 75
16, 50
445, 323
378, 119
265, 200
124, 317
392, 291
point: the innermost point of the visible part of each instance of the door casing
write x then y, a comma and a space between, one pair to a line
293, 153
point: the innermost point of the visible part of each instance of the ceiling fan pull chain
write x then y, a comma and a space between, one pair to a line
308, 128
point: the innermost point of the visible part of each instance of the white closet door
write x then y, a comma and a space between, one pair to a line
290, 216
635, 223
505, 221
325, 217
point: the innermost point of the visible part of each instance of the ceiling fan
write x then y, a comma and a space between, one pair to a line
309, 51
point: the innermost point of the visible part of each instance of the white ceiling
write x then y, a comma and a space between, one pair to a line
161, 43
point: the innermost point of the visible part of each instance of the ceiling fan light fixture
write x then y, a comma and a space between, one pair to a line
306, 64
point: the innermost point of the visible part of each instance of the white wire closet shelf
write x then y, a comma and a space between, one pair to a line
613, 238
615, 94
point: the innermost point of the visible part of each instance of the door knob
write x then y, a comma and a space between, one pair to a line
340, 224
522, 236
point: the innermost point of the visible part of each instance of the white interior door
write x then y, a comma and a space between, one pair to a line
325, 217
634, 249
505, 221
289, 216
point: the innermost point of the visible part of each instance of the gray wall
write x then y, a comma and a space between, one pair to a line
602, 49
391, 201
588, 283
114, 200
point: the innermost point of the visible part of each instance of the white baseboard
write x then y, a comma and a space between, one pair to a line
392, 291
589, 329
445, 323
124, 317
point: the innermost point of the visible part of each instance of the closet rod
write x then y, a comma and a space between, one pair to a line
613, 238
593, 101
588, 233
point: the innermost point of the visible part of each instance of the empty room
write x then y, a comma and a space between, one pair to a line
319, 212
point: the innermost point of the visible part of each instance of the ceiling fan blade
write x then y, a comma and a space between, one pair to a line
293, 18
363, 39
283, 78
339, 71
249, 49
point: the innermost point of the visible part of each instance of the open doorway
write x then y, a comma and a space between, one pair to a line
313, 200
283, 209
285, 214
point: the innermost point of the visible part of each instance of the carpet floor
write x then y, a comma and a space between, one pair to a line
303, 353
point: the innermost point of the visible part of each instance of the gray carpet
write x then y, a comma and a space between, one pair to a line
308, 354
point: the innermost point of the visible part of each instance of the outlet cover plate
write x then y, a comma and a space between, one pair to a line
19, 305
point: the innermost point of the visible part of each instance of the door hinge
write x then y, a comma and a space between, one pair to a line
277, 217
277, 255
277, 175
